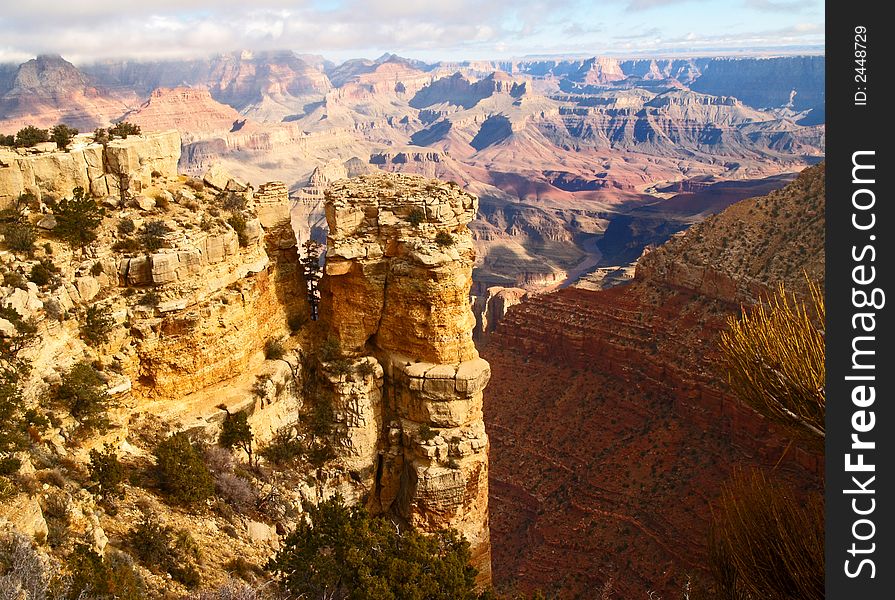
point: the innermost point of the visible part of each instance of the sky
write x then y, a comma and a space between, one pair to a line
84, 31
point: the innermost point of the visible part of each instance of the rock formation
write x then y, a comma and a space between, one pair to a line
123, 166
395, 295
609, 414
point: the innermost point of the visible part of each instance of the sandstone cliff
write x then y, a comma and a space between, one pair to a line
120, 167
395, 293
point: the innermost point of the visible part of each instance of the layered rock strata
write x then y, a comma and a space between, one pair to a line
395, 294
120, 167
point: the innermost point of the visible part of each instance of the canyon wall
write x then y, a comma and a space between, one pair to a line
612, 425
395, 294
121, 166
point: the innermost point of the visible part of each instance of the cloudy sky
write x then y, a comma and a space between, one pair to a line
86, 30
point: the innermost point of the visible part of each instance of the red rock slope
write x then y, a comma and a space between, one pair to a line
611, 426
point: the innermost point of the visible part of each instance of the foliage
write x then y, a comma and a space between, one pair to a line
83, 394
150, 298
31, 136
310, 267
42, 273
232, 201
236, 432
766, 542
123, 129
101, 136
330, 350
24, 570
775, 362
416, 217
444, 239
162, 549
19, 236
77, 219
152, 235
63, 134
13, 421
95, 577
426, 433
126, 226
107, 472
274, 350
182, 472
238, 222
98, 324
338, 552
285, 448
7, 140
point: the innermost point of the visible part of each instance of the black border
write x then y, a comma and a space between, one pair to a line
852, 128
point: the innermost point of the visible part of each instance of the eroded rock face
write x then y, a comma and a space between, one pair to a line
122, 166
396, 293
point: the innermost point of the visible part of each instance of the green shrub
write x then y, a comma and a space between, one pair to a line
43, 272
341, 552
91, 576
426, 433
7, 140
444, 239
19, 236
236, 432
150, 298
107, 472
181, 470
31, 136
77, 219
63, 134
152, 235
285, 448
128, 245
162, 202
101, 136
83, 394
330, 350
126, 226
9, 465
15, 279
238, 222
98, 324
123, 129
416, 217
160, 549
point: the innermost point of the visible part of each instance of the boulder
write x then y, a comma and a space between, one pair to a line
47, 222
217, 177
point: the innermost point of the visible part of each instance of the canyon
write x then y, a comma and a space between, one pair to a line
611, 424
556, 150
543, 249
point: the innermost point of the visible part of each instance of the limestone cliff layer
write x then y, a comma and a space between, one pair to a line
122, 166
396, 293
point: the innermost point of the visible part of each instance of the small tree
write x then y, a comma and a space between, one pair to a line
63, 135
100, 136
236, 432
83, 394
77, 219
123, 129
310, 266
31, 136
182, 472
7, 140
98, 325
107, 472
